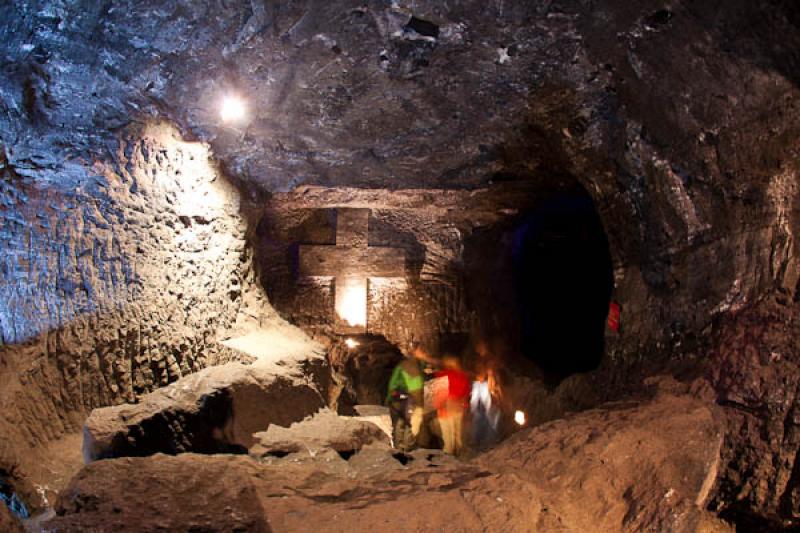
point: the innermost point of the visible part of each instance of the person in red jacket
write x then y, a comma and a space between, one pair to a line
450, 403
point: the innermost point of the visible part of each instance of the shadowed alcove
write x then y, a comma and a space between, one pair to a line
541, 283
563, 278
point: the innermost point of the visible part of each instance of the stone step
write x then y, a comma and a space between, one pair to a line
217, 409
323, 430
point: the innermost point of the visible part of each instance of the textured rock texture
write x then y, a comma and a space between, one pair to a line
431, 227
8, 522
118, 277
756, 374
636, 466
324, 430
678, 118
552, 478
360, 375
215, 410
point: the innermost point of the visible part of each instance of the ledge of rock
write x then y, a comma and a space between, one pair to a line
324, 430
217, 409
322, 493
645, 465
635, 466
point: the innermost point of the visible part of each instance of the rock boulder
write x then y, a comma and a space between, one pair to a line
324, 430
641, 465
215, 410
645, 465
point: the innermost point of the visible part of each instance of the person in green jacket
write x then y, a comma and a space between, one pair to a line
405, 398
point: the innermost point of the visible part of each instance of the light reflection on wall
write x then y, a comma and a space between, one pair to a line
351, 300
162, 226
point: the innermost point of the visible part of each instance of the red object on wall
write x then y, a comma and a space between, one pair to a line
614, 312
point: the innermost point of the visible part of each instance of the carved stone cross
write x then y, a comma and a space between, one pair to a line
351, 262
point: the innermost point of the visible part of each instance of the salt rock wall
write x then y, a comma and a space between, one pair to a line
756, 372
678, 117
117, 277
432, 298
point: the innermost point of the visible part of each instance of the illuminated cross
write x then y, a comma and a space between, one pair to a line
351, 262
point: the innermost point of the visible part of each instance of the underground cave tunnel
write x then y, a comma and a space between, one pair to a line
564, 279
540, 282
178, 181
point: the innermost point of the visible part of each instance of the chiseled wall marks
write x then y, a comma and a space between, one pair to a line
115, 278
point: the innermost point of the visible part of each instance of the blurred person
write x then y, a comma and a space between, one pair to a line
405, 398
484, 400
450, 403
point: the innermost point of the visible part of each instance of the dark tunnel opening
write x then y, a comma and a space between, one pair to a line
563, 280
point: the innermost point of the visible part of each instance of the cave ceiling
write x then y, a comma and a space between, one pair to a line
403, 94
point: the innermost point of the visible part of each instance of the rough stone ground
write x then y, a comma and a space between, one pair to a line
652, 466
56, 463
219, 408
324, 430
645, 465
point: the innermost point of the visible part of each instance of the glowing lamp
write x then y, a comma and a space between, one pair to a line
350, 342
519, 418
351, 298
233, 109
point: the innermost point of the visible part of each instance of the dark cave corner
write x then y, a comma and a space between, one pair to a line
541, 283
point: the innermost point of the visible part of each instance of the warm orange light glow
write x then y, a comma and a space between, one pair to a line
351, 343
519, 418
351, 301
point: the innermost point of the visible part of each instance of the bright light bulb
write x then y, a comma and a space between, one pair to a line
519, 418
351, 343
233, 109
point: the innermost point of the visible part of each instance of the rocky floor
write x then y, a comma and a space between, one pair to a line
323, 431
253, 447
57, 463
647, 464
219, 408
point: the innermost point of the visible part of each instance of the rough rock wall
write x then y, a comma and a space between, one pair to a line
700, 191
756, 372
118, 276
676, 116
432, 301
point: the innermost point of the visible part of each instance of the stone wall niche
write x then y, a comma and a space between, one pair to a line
446, 267
540, 283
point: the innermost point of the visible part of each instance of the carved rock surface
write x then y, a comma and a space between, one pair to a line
323, 430
645, 465
215, 410
756, 374
320, 494
118, 276
124, 253
361, 374
680, 129
631, 466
